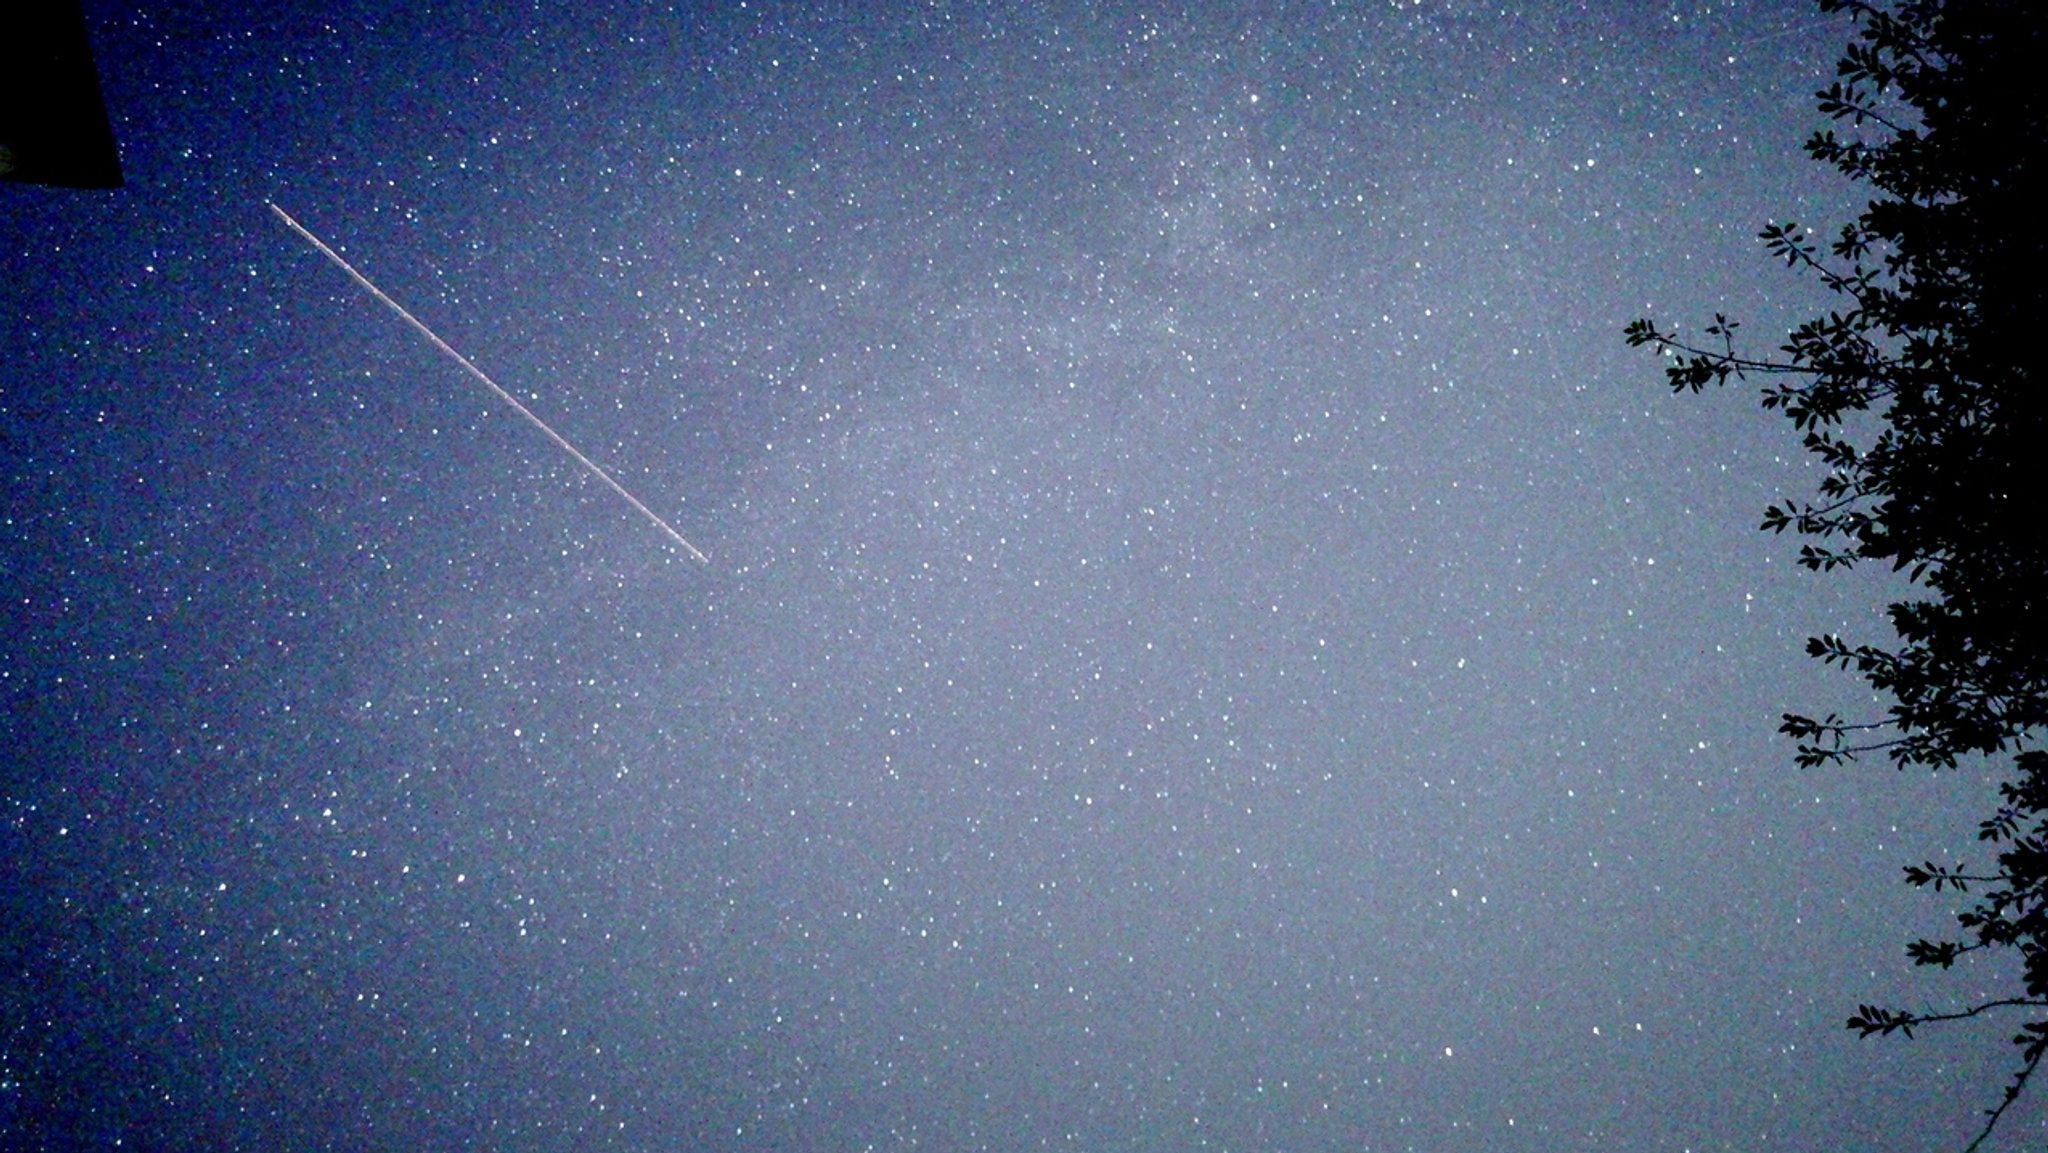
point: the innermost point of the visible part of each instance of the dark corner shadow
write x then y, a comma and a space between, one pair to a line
53, 121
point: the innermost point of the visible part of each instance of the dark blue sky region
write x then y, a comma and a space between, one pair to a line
1210, 640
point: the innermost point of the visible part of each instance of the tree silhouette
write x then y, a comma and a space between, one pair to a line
1923, 396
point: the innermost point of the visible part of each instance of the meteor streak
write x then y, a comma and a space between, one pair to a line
474, 371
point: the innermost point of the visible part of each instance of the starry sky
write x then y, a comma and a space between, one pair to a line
1210, 640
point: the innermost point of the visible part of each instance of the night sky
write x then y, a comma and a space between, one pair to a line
1210, 640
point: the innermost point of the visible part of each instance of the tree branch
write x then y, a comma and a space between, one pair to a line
2012, 1093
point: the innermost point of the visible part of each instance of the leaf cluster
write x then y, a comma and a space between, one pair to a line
1922, 395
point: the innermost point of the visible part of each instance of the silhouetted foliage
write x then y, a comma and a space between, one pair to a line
1923, 396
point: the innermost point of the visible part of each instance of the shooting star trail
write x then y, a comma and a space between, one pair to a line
595, 469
